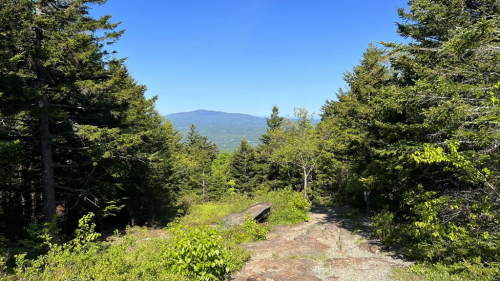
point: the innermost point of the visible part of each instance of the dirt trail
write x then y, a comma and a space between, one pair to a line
326, 248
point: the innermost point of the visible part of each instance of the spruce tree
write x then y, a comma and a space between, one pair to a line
220, 176
448, 76
353, 120
267, 171
273, 123
242, 166
423, 135
58, 80
198, 154
79, 126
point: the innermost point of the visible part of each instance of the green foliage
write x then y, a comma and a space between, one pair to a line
258, 232
465, 270
38, 233
219, 181
289, 207
242, 167
418, 128
197, 253
211, 213
185, 253
196, 162
299, 144
384, 225
273, 123
93, 141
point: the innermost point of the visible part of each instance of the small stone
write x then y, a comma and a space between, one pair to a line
370, 246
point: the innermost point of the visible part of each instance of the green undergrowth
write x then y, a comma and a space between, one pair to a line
403, 274
288, 207
462, 271
193, 247
456, 272
458, 249
180, 253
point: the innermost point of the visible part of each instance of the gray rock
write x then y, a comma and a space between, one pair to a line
259, 211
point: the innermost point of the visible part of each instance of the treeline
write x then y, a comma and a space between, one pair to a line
415, 132
418, 128
76, 132
291, 153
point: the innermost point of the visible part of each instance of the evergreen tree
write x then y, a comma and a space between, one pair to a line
273, 123
447, 74
353, 120
197, 159
81, 134
220, 176
56, 88
242, 167
421, 133
268, 171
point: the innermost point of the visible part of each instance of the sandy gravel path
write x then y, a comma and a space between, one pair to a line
328, 247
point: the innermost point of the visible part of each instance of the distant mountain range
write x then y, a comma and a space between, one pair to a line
224, 129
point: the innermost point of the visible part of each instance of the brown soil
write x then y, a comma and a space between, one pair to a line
328, 247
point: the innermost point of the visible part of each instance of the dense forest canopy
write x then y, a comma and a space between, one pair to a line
416, 131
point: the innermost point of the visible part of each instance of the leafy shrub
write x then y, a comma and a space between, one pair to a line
447, 239
197, 253
37, 233
288, 206
186, 202
256, 231
464, 270
185, 253
384, 225
3, 265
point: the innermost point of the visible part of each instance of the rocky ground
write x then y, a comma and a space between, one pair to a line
331, 246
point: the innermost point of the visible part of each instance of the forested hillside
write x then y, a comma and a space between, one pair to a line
414, 139
224, 129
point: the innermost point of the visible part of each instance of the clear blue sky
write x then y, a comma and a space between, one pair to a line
243, 56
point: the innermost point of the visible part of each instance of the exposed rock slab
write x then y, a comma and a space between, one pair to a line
321, 249
282, 270
259, 211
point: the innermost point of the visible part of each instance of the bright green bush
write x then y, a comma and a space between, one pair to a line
449, 243
384, 225
258, 232
192, 252
3, 265
185, 253
288, 206
459, 271
197, 253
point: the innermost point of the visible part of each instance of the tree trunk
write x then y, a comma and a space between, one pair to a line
203, 184
49, 197
305, 183
367, 203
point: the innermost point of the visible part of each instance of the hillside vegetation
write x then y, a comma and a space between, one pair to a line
224, 129
414, 140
